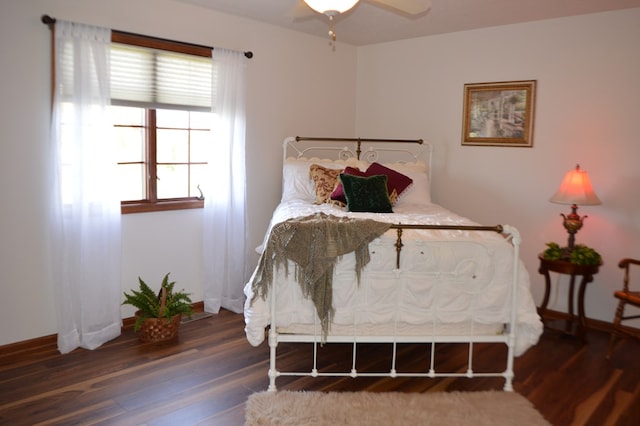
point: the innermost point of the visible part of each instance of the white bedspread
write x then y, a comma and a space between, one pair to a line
455, 277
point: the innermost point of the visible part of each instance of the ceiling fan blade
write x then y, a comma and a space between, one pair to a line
411, 7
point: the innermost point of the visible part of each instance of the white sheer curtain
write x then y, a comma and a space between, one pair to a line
84, 208
224, 241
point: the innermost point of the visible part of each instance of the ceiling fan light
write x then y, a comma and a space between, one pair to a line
328, 6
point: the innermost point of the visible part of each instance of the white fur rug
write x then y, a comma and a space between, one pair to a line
490, 408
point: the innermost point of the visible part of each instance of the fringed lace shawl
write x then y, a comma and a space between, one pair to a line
315, 243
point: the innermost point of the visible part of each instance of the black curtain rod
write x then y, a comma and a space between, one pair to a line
48, 20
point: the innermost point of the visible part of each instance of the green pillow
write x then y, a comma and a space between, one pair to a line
366, 194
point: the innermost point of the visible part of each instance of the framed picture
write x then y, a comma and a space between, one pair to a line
499, 114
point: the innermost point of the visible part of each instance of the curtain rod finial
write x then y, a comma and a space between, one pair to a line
46, 19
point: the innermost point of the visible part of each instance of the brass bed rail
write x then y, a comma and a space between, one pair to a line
306, 138
358, 141
400, 227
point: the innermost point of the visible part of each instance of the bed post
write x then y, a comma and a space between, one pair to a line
273, 342
273, 373
515, 240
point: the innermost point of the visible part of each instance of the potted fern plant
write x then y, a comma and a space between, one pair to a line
159, 314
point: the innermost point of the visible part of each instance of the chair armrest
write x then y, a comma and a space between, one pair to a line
624, 263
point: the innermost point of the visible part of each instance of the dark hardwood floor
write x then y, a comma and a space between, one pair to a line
206, 377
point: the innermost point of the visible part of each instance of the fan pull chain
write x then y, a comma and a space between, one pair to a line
332, 33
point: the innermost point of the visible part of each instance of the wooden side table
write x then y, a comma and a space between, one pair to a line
563, 267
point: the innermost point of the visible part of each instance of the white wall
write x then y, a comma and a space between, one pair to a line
296, 85
587, 112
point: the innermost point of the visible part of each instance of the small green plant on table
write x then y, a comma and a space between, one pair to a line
579, 255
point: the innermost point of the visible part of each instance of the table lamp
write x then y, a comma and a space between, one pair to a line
576, 190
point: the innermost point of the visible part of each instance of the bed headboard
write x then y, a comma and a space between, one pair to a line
365, 149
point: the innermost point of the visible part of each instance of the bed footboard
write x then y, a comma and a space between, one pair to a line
506, 337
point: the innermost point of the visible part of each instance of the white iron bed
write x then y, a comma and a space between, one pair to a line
434, 277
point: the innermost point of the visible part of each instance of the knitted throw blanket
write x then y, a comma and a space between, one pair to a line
315, 243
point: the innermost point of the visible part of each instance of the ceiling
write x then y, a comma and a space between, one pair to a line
367, 23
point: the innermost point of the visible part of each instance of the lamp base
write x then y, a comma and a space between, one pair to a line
572, 223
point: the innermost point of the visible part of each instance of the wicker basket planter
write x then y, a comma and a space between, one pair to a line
158, 316
156, 330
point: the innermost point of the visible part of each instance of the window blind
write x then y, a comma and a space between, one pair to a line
153, 78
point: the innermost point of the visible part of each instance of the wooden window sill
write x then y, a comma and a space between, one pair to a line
164, 205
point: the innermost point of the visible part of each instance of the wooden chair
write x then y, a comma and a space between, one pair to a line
626, 297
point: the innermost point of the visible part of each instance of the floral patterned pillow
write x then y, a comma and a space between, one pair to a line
324, 181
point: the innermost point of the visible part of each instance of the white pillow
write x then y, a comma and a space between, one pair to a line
296, 184
419, 193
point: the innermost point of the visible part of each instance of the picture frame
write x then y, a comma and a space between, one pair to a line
499, 114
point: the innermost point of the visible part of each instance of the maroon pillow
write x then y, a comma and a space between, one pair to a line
397, 183
338, 192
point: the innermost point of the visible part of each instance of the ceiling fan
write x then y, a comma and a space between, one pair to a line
333, 8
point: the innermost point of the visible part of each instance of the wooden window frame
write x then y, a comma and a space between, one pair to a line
151, 203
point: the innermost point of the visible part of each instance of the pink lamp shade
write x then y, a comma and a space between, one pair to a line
576, 189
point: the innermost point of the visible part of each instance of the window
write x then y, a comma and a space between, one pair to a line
161, 109
162, 156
